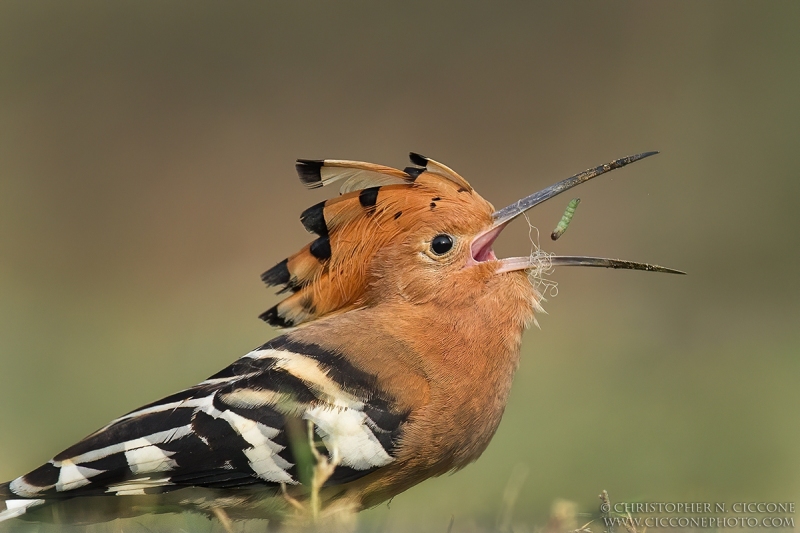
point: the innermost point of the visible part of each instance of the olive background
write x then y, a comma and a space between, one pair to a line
147, 179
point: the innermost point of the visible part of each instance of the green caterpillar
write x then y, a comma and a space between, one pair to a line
569, 212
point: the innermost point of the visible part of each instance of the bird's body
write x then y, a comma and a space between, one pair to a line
406, 333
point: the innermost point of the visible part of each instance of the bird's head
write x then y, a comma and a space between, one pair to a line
421, 235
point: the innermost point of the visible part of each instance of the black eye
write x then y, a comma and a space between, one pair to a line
441, 244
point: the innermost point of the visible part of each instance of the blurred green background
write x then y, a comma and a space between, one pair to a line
146, 180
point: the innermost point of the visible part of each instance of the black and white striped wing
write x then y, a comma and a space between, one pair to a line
230, 431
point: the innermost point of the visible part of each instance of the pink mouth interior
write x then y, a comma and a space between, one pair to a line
482, 246
486, 254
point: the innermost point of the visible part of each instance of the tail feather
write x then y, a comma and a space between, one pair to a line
12, 506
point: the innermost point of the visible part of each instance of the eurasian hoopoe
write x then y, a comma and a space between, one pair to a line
405, 333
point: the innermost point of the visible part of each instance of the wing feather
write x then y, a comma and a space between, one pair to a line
231, 430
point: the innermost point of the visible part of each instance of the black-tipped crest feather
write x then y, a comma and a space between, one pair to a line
414, 172
418, 159
369, 197
313, 219
273, 318
309, 171
438, 168
277, 275
321, 248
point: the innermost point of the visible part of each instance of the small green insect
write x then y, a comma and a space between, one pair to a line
569, 212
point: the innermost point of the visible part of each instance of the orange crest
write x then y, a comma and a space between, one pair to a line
378, 207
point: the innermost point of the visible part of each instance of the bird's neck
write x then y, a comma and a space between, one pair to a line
479, 334
469, 355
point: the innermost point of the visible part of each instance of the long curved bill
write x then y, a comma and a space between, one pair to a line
481, 246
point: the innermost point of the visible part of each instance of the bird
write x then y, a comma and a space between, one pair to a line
402, 333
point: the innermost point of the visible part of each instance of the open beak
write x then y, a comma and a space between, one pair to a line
482, 245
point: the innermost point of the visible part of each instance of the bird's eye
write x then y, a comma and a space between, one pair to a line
441, 244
